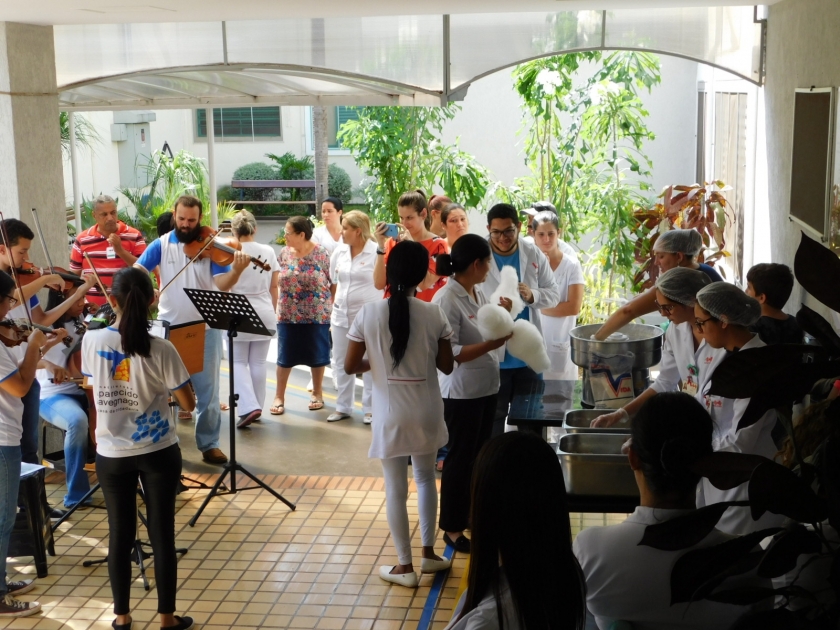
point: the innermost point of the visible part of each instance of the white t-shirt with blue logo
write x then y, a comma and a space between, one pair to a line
131, 393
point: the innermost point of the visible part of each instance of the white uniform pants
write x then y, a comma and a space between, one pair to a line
249, 360
396, 496
346, 383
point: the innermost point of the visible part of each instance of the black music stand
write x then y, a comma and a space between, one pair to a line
231, 312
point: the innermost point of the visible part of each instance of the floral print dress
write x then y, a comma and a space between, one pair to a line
304, 287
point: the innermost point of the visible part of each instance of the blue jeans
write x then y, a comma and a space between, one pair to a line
31, 421
206, 384
9, 485
67, 412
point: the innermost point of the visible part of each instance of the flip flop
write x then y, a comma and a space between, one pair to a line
278, 409
315, 404
184, 415
224, 406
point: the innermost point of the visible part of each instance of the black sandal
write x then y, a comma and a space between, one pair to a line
183, 624
121, 626
460, 544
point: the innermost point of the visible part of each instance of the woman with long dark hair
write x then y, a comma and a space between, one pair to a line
523, 573
469, 393
132, 374
407, 341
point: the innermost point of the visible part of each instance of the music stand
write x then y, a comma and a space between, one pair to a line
231, 312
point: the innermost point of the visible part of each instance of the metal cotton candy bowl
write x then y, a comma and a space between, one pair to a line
593, 465
643, 341
579, 421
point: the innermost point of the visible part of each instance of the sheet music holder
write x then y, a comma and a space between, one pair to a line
231, 312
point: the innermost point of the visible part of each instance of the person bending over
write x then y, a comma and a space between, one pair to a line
676, 248
407, 341
132, 375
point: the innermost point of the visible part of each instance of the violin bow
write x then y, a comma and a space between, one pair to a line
41, 238
194, 258
14, 275
98, 279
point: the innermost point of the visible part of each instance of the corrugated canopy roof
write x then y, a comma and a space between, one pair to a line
392, 60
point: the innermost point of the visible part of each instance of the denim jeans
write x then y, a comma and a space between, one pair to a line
9, 485
31, 421
206, 384
68, 412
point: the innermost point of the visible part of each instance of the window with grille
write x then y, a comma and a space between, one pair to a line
241, 123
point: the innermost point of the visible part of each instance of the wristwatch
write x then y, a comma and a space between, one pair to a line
380, 252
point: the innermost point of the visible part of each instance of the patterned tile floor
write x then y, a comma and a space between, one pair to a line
253, 563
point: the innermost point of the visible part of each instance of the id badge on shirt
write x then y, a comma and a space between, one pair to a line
690, 384
110, 254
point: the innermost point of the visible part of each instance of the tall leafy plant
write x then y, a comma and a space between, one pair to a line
585, 129
86, 134
399, 149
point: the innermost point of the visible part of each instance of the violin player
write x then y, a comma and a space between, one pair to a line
176, 308
16, 253
111, 245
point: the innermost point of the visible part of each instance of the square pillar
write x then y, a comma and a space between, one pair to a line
30, 140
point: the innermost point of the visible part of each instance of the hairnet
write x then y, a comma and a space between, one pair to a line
729, 304
681, 284
686, 242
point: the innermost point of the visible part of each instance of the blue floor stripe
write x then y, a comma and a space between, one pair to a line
437, 586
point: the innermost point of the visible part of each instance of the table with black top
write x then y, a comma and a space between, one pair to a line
545, 405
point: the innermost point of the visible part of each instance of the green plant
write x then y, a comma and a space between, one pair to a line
86, 134
695, 207
250, 172
339, 183
584, 141
399, 148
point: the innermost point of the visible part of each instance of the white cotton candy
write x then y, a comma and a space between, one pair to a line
494, 322
527, 345
509, 288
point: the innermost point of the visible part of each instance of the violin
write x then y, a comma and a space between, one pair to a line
220, 251
18, 331
28, 273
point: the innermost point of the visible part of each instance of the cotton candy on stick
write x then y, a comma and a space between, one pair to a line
494, 322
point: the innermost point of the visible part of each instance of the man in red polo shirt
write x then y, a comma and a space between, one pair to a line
111, 245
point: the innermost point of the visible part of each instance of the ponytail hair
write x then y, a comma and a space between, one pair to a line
465, 251
408, 263
133, 291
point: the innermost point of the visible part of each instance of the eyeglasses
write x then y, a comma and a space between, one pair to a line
12, 301
496, 235
702, 322
664, 309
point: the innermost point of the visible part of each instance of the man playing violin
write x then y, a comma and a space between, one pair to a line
111, 245
176, 308
17, 253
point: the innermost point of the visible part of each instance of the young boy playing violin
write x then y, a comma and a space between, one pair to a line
16, 252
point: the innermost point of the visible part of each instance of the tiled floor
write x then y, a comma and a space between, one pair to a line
254, 563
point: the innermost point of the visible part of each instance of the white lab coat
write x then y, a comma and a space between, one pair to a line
755, 440
629, 582
534, 271
682, 365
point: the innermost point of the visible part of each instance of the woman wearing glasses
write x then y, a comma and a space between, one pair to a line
723, 314
687, 360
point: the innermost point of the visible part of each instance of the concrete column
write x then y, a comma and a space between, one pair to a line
30, 141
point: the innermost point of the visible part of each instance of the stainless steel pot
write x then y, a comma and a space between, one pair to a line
643, 340
578, 421
594, 466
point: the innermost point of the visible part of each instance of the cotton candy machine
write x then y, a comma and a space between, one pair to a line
615, 370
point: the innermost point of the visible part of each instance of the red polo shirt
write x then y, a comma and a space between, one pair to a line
95, 245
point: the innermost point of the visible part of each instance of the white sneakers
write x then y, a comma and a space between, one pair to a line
368, 418
412, 580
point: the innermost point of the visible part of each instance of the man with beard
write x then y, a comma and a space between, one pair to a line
176, 308
111, 245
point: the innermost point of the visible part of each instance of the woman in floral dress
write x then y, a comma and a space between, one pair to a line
303, 311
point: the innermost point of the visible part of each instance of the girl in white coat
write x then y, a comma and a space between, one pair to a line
724, 314
406, 341
687, 360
